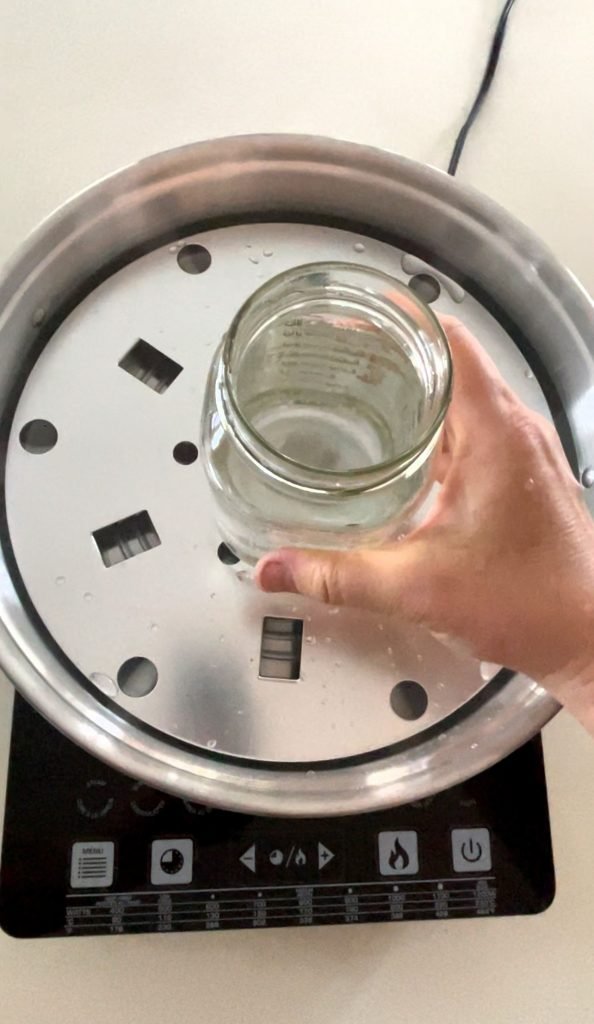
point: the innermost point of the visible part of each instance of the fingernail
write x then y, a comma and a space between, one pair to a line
276, 576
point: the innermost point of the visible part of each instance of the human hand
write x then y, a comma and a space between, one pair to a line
505, 559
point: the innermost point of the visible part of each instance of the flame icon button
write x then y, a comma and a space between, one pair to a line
398, 853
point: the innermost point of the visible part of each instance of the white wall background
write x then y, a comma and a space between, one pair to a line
90, 85
87, 86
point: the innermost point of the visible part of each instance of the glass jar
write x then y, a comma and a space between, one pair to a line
323, 407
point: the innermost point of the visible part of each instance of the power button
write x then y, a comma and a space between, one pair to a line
471, 849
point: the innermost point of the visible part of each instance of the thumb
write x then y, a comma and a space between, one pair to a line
387, 580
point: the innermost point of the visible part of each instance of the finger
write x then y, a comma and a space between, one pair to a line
475, 370
480, 397
443, 456
388, 580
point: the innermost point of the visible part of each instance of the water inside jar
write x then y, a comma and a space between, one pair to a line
334, 389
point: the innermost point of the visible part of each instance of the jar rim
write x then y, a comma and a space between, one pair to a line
327, 480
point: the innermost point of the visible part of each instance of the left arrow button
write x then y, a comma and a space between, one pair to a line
248, 859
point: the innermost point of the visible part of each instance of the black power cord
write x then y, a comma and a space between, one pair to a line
484, 87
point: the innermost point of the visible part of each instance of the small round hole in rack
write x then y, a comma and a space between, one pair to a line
185, 452
226, 555
38, 437
409, 700
137, 677
425, 287
194, 259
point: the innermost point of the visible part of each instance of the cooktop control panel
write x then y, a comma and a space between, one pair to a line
89, 851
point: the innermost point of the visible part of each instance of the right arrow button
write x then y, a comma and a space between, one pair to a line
324, 856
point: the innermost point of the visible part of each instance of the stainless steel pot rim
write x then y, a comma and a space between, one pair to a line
28, 298
303, 793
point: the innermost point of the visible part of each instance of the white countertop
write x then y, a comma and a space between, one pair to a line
86, 87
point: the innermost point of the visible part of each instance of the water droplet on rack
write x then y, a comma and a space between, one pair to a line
104, 683
311, 640
380, 626
474, 746
154, 627
488, 669
310, 774
333, 610
38, 316
60, 581
390, 650
528, 374
359, 247
88, 596
529, 485
211, 744
268, 253
173, 248
254, 259
221, 638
